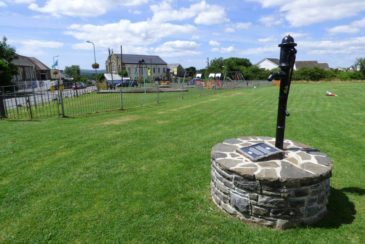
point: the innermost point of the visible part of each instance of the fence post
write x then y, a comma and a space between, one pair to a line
121, 99
158, 91
16, 102
29, 107
2, 104
34, 98
60, 99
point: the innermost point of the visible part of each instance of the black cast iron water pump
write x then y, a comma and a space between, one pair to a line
286, 65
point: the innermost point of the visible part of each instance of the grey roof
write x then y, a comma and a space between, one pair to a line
311, 64
274, 60
306, 64
324, 66
38, 64
171, 66
135, 58
22, 61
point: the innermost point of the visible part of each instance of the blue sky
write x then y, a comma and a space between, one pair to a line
186, 32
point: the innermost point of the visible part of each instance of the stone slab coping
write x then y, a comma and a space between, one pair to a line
301, 164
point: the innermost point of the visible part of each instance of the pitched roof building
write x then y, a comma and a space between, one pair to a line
136, 65
273, 63
30, 68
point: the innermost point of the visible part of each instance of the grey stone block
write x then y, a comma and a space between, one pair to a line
246, 172
311, 201
296, 202
241, 203
222, 187
234, 155
290, 172
285, 224
285, 213
224, 148
311, 211
316, 169
267, 174
259, 211
271, 164
264, 221
246, 185
232, 141
301, 192
271, 202
222, 179
324, 161
253, 197
227, 164
222, 172
228, 208
216, 155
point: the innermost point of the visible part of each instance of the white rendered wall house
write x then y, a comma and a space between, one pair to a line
273, 63
268, 63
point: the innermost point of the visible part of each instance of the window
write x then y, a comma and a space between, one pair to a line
154, 70
158, 70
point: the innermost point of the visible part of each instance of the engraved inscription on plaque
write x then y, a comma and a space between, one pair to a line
261, 151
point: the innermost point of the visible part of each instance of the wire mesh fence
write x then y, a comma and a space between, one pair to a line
72, 99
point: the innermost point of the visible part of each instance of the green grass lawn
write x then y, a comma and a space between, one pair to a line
143, 175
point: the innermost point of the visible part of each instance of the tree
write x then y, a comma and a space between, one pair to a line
123, 73
236, 64
360, 64
7, 69
73, 71
314, 74
191, 71
215, 66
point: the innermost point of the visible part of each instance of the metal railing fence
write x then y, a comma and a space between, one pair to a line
72, 99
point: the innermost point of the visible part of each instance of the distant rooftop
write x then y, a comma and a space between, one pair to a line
135, 58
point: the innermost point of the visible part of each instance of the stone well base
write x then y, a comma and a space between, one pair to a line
277, 193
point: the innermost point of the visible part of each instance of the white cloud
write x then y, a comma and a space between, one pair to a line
20, 1
82, 8
224, 50
214, 43
296, 35
266, 39
237, 26
229, 29
306, 12
271, 20
135, 37
36, 47
350, 46
202, 13
177, 48
353, 27
262, 51
2, 4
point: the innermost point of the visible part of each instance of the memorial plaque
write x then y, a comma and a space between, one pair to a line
261, 151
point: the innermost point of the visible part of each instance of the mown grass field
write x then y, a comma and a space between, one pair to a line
143, 175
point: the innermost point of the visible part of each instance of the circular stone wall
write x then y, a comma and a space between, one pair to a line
276, 193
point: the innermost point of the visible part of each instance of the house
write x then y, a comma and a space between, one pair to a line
176, 70
42, 71
137, 66
273, 63
26, 69
31, 72
310, 64
268, 63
